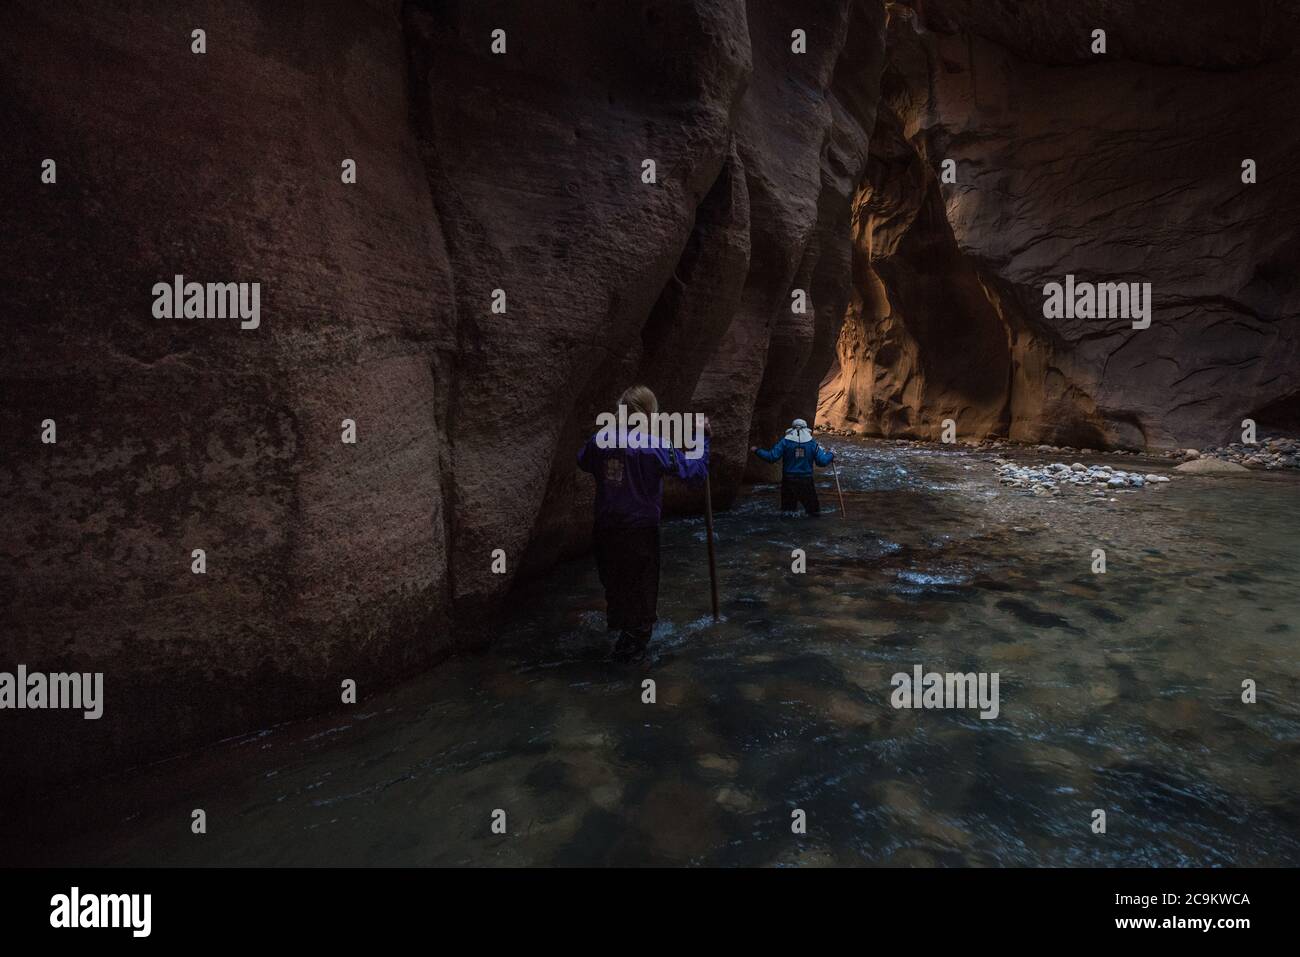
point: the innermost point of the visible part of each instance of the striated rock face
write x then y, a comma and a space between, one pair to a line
476, 172
1116, 167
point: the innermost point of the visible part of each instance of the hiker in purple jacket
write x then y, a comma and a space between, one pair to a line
629, 499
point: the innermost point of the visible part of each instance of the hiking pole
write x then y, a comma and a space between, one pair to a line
708, 531
837, 486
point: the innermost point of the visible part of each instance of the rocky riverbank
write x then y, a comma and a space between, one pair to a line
1273, 453
1278, 452
1050, 479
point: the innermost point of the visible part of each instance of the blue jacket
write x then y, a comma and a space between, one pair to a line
796, 458
630, 481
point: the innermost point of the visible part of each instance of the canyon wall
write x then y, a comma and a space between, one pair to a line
513, 178
1122, 166
517, 179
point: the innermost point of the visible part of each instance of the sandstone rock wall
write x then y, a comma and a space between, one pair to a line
521, 172
476, 172
1125, 166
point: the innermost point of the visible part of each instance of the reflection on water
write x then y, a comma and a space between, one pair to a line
1118, 691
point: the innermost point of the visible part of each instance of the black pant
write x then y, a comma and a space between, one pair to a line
799, 490
627, 560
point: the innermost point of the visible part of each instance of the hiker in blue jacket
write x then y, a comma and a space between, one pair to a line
797, 453
629, 475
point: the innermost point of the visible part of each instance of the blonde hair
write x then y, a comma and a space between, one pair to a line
639, 398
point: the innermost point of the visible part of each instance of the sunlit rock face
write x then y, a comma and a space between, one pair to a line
1118, 167
477, 171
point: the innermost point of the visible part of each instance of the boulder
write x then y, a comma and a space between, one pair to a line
1209, 466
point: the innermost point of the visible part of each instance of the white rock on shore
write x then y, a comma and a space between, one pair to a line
1049, 479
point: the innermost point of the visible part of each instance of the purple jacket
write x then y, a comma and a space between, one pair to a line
630, 481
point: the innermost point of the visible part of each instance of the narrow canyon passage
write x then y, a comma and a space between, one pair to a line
310, 309
840, 210
1117, 690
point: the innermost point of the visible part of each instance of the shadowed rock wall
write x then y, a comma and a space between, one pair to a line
476, 172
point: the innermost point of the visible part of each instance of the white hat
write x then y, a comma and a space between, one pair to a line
798, 431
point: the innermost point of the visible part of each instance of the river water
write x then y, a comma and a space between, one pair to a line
1118, 691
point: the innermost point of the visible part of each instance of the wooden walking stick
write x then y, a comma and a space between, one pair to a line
708, 531
837, 486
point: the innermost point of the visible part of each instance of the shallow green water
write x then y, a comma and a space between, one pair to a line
1118, 691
